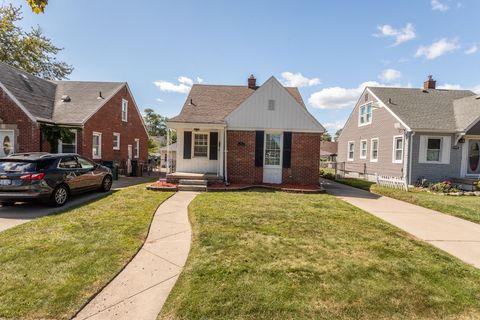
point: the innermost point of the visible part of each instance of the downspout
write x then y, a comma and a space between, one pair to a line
225, 151
168, 152
410, 156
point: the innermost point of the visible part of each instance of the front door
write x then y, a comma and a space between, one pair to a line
6, 142
272, 160
473, 158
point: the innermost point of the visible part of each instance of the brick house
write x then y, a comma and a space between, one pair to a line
247, 134
103, 117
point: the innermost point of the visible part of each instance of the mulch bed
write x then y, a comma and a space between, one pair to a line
162, 185
279, 187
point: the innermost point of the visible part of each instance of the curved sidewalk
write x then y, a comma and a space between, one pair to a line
458, 237
141, 289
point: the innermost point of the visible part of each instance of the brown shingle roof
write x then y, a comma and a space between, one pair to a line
212, 103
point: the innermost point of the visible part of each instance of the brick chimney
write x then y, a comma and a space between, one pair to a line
252, 82
429, 84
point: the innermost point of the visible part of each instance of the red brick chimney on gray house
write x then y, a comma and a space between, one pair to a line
252, 82
429, 84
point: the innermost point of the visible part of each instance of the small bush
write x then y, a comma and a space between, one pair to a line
327, 174
444, 186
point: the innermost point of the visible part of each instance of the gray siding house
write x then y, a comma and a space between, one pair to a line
413, 133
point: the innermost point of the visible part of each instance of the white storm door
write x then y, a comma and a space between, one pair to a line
272, 158
7, 142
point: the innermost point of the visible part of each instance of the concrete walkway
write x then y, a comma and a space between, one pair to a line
460, 238
141, 289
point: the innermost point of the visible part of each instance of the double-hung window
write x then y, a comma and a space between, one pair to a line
116, 141
351, 150
434, 149
97, 145
365, 114
68, 146
398, 149
124, 110
363, 149
374, 150
200, 145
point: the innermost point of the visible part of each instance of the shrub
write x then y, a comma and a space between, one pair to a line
444, 186
327, 174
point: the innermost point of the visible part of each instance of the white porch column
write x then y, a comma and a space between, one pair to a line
221, 135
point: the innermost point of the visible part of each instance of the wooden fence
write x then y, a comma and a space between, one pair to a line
391, 182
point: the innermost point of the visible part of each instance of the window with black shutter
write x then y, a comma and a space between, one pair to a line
259, 136
187, 144
287, 149
213, 145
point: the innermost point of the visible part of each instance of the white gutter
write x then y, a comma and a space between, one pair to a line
225, 154
410, 152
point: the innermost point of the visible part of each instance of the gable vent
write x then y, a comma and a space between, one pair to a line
66, 98
271, 105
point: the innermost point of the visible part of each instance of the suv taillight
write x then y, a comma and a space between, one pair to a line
34, 176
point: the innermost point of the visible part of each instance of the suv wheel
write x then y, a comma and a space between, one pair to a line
59, 196
106, 184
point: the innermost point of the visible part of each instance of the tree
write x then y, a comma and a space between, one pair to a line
55, 133
326, 137
30, 51
38, 6
337, 134
156, 124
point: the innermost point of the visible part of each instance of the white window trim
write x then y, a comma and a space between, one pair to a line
394, 148
360, 114
446, 145
60, 147
125, 103
265, 149
116, 134
99, 134
366, 148
348, 150
371, 149
208, 145
137, 149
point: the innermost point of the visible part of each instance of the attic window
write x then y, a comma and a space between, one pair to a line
66, 98
271, 105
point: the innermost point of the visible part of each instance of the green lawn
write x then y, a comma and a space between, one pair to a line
356, 183
51, 266
465, 207
273, 255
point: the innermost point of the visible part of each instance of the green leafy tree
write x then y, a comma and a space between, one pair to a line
29, 51
54, 133
38, 6
156, 124
152, 146
337, 134
326, 137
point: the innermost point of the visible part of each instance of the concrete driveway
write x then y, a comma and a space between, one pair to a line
25, 212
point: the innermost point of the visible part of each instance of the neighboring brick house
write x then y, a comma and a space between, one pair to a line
248, 134
103, 116
413, 133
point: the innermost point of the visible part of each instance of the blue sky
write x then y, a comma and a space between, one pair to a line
331, 49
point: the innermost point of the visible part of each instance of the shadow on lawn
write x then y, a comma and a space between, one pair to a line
342, 190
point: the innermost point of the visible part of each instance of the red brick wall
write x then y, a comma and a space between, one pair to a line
27, 132
241, 158
305, 161
305, 158
109, 120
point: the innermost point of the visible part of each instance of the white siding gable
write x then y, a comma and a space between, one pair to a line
284, 113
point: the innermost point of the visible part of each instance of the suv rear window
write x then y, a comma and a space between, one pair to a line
17, 166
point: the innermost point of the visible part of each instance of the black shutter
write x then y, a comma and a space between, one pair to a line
287, 149
213, 145
259, 138
187, 144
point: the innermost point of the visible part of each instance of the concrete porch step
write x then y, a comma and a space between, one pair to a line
190, 182
192, 187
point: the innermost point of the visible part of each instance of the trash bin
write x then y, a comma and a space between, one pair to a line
134, 168
113, 166
140, 170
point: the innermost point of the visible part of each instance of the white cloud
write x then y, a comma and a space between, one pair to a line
451, 86
472, 49
438, 6
184, 85
334, 126
437, 49
390, 75
338, 97
298, 80
160, 100
400, 35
